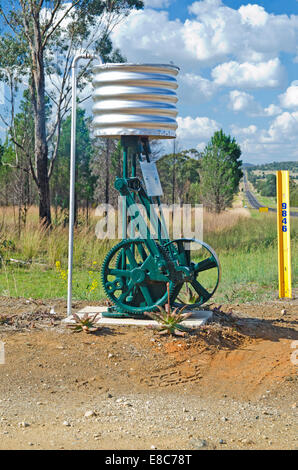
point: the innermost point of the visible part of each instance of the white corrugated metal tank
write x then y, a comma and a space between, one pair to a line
135, 99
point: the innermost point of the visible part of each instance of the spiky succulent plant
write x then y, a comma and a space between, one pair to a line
169, 319
84, 323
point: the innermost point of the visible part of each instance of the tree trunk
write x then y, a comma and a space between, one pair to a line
41, 147
41, 156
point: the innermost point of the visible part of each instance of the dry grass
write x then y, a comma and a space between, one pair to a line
227, 219
247, 248
233, 229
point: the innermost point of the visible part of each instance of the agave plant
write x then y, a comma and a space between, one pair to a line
84, 323
170, 320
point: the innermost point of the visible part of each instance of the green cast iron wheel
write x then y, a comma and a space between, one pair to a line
205, 269
132, 279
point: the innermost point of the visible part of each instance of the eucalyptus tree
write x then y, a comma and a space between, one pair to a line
178, 172
42, 37
220, 172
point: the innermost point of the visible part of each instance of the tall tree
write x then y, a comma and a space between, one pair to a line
178, 171
106, 165
84, 179
218, 179
20, 175
46, 34
231, 151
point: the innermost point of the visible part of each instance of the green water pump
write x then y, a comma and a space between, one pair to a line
136, 272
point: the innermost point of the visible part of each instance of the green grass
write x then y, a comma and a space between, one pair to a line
247, 252
46, 284
246, 276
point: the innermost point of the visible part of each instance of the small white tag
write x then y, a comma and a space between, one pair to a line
151, 178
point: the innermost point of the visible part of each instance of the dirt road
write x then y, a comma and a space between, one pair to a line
230, 385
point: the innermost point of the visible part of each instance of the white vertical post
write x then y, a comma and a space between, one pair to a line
73, 171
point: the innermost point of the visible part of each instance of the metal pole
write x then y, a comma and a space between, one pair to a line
124, 209
283, 232
72, 171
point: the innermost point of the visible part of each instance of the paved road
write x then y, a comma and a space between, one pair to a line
254, 202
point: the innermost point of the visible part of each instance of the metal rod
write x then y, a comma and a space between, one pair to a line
124, 208
72, 170
133, 174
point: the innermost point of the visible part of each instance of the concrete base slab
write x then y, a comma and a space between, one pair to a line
197, 319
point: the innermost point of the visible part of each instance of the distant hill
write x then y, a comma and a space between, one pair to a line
247, 165
291, 166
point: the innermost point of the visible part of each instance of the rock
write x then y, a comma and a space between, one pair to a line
110, 356
283, 311
66, 423
294, 405
153, 447
223, 418
89, 414
198, 443
23, 424
222, 441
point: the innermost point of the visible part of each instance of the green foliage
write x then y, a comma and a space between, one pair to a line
40, 46
267, 186
179, 176
84, 180
232, 152
247, 253
220, 170
170, 319
274, 166
293, 193
106, 166
217, 186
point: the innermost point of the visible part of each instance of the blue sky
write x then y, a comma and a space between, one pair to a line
238, 69
239, 63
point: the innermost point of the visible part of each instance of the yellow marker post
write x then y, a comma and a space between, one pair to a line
263, 209
283, 230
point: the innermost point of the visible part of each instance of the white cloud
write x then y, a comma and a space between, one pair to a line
253, 15
240, 32
199, 127
149, 35
195, 132
213, 33
192, 86
272, 110
241, 101
290, 98
283, 128
249, 75
244, 131
278, 142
